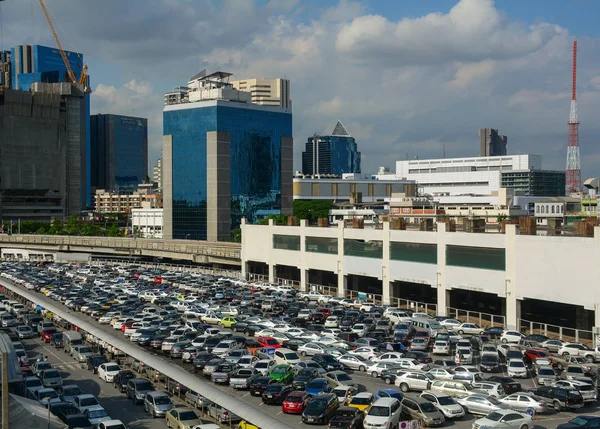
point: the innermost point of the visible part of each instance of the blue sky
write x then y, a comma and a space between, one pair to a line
404, 76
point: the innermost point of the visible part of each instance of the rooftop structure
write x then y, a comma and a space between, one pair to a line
333, 154
266, 92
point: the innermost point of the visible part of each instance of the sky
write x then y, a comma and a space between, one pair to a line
407, 78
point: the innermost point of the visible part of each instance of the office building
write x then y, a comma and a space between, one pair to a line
224, 158
535, 183
5, 69
157, 174
491, 143
333, 154
119, 152
337, 189
43, 151
147, 222
266, 92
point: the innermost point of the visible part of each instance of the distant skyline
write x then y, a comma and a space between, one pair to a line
407, 77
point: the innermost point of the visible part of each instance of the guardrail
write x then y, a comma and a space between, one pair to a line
286, 282
325, 290
167, 266
562, 333
177, 373
485, 320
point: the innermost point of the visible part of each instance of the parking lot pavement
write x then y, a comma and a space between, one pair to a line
115, 403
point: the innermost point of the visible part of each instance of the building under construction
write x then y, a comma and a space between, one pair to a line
42, 151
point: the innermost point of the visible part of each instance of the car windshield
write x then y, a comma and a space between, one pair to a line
378, 411
489, 358
361, 401
85, 350
495, 417
428, 407
33, 382
446, 400
96, 414
291, 356
260, 365
295, 398
71, 391
48, 394
162, 400
516, 364
579, 421
493, 400
271, 341
575, 370
343, 377
317, 405
315, 384
143, 385
280, 370
187, 415
546, 371
111, 368
87, 402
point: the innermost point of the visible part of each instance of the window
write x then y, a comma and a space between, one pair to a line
562, 209
413, 252
286, 242
552, 209
476, 257
366, 249
322, 245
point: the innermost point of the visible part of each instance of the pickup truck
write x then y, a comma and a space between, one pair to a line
314, 296
240, 379
563, 362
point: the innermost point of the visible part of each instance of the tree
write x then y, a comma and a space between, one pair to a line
311, 209
236, 235
113, 231
279, 219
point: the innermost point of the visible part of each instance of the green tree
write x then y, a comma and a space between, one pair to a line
56, 228
113, 231
236, 235
279, 219
311, 209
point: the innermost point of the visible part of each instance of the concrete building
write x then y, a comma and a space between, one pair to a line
464, 176
518, 278
43, 154
491, 143
157, 174
337, 189
535, 182
224, 158
5, 69
562, 208
119, 152
334, 154
266, 92
115, 202
147, 222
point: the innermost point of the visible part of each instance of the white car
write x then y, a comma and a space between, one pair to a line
511, 337
331, 333
367, 307
441, 348
354, 362
376, 369
332, 322
311, 349
365, 352
388, 357
442, 373
264, 366
522, 401
463, 356
413, 381
571, 349
359, 329
505, 419
516, 368
327, 340
108, 370
469, 369
450, 323
469, 329
445, 403
412, 364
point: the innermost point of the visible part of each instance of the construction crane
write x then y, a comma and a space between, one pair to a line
74, 80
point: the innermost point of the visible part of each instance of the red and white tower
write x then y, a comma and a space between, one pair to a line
573, 177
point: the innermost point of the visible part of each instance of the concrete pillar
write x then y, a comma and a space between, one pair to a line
286, 169
386, 285
302, 264
272, 273
303, 280
242, 251
167, 178
513, 305
218, 185
341, 277
443, 293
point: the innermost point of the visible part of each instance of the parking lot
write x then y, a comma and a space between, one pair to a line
99, 287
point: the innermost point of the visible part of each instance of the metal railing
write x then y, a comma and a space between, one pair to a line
370, 297
286, 282
325, 290
416, 306
562, 333
167, 266
257, 277
485, 320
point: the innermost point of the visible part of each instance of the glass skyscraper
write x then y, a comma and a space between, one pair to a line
334, 154
119, 152
224, 160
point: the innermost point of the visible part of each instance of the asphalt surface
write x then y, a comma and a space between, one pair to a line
134, 416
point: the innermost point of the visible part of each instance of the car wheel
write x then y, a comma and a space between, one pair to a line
557, 406
589, 359
504, 340
388, 380
374, 374
524, 427
461, 332
168, 423
362, 368
404, 387
303, 353
154, 414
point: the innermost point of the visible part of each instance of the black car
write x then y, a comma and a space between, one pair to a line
560, 398
79, 421
493, 332
293, 343
57, 340
320, 409
200, 360
328, 362
489, 363
421, 357
93, 362
347, 417
121, 379
346, 324
211, 342
539, 338
63, 407
258, 384
509, 385
276, 393
303, 377
581, 422
389, 375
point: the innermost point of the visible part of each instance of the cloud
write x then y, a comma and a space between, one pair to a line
473, 30
345, 10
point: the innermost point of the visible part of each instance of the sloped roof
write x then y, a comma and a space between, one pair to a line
199, 75
340, 130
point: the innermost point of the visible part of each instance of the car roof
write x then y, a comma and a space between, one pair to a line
385, 402
364, 395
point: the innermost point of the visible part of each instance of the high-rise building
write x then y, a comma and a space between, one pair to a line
119, 152
157, 173
43, 152
491, 143
5, 69
334, 154
224, 158
266, 92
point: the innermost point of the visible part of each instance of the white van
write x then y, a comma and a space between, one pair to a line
432, 325
398, 317
287, 356
383, 414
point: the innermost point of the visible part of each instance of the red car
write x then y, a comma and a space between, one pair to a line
268, 342
532, 354
126, 325
47, 333
295, 402
325, 311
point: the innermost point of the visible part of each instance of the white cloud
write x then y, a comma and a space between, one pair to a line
345, 10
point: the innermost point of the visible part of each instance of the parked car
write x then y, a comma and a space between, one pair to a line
320, 409
347, 417
182, 418
445, 403
507, 419
481, 404
423, 410
524, 400
137, 388
295, 402
384, 414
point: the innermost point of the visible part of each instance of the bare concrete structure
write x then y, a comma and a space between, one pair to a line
218, 185
42, 151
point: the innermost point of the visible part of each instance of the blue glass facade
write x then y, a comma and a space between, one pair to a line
331, 155
255, 172
41, 64
119, 154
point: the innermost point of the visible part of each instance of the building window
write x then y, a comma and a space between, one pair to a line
286, 242
388, 190
562, 209
413, 252
365, 249
537, 209
552, 209
476, 257
321, 245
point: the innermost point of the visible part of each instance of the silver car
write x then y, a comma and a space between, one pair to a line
522, 401
51, 378
546, 375
157, 404
355, 362
481, 404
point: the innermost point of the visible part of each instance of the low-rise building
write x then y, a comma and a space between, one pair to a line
115, 202
147, 222
563, 208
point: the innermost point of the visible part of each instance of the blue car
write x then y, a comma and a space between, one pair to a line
317, 386
389, 393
